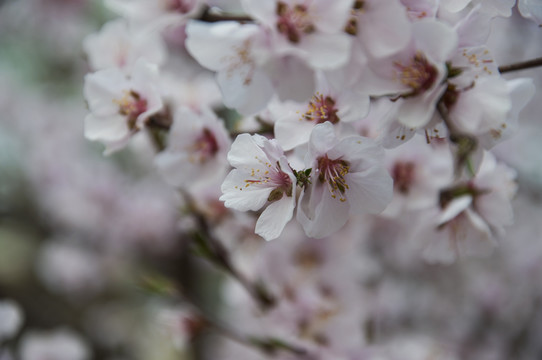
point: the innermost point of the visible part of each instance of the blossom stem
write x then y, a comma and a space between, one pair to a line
218, 254
466, 144
268, 345
521, 65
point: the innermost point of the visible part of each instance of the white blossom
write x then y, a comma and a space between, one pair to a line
11, 319
196, 151
119, 104
261, 176
347, 178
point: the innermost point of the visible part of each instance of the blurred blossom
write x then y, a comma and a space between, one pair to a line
70, 270
179, 324
11, 319
59, 344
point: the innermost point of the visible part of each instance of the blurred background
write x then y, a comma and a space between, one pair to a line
77, 230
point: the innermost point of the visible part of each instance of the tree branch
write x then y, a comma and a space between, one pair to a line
521, 65
217, 253
208, 16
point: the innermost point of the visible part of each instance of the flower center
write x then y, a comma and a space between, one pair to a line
204, 148
131, 105
273, 177
419, 75
293, 21
321, 109
332, 172
352, 23
403, 176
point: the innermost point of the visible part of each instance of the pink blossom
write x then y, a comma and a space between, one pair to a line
309, 30
416, 74
294, 122
119, 45
261, 176
120, 105
347, 178
196, 151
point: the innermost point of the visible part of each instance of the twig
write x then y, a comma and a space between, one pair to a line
466, 143
268, 345
218, 254
521, 65
208, 16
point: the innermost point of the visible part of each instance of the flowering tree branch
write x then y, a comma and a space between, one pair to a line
199, 319
215, 252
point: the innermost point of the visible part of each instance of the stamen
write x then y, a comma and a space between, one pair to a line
293, 22
419, 75
321, 109
332, 172
241, 58
131, 105
274, 178
204, 148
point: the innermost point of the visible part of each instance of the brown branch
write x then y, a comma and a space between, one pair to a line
521, 65
268, 345
208, 16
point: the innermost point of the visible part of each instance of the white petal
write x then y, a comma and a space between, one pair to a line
322, 139
246, 153
384, 27
359, 151
333, 14
216, 46
292, 78
238, 196
275, 217
369, 192
454, 208
417, 111
293, 132
111, 128
327, 51
435, 39
246, 89
319, 213
101, 88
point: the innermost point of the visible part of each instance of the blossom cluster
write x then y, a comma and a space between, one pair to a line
363, 120
330, 89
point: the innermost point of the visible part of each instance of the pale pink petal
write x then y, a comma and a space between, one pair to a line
240, 197
320, 214
275, 217
245, 89
370, 191
384, 27
110, 128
